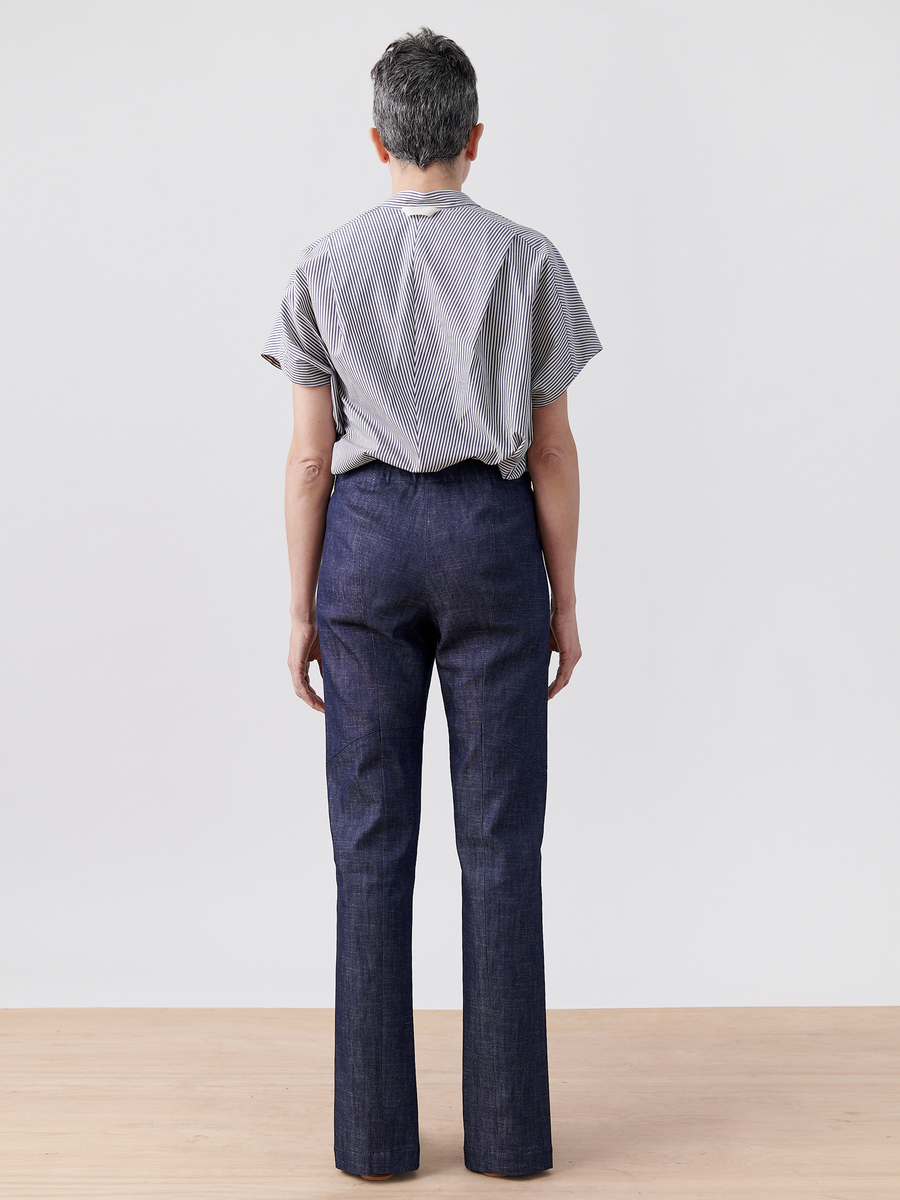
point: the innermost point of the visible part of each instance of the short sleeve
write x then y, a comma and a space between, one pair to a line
563, 338
295, 344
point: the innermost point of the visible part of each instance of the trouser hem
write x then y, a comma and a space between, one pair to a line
507, 1165
379, 1164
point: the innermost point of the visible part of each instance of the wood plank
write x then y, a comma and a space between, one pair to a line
706, 1104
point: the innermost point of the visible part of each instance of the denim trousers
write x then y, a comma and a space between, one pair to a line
445, 568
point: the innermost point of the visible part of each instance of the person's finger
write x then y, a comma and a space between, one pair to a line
302, 686
554, 646
567, 661
308, 694
558, 684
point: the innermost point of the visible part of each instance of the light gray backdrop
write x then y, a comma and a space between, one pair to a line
722, 179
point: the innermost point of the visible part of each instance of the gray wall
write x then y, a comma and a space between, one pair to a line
722, 180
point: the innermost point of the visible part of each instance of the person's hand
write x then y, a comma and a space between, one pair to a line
304, 649
564, 640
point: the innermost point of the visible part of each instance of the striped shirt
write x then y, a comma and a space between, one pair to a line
439, 326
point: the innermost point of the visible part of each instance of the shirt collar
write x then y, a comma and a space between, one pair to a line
442, 198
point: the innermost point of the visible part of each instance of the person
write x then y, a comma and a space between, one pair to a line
431, 494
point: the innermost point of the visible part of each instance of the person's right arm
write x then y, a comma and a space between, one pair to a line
308, 483
552, 462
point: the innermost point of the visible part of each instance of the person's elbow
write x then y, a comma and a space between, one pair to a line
552, 455
309, 470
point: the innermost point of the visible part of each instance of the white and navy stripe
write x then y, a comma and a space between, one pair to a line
439, 325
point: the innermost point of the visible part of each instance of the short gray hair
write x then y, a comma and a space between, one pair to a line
425, 103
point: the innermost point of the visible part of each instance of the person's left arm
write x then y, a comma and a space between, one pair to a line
308, 484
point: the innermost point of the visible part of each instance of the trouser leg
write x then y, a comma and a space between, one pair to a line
492, 661
377, 658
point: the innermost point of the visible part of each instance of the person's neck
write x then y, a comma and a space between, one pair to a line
433, 178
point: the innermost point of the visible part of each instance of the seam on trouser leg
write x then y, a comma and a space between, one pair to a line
487, 965
383, 806
506, 742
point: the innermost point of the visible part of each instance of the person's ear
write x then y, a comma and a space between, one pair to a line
383, 155
471, 150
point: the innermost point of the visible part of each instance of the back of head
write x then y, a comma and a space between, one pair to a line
425, 103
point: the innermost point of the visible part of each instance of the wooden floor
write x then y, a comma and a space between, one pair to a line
707, 1104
